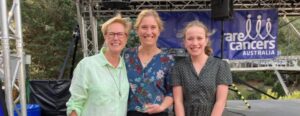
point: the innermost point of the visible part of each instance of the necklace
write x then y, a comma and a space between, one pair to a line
145, 63
146, 57
112, 76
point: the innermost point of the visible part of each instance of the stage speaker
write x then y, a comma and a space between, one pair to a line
116, 4
221, 9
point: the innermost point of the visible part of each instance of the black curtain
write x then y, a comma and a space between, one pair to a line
3, 110
51, 96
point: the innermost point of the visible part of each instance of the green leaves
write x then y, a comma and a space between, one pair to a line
288, 39
48, 27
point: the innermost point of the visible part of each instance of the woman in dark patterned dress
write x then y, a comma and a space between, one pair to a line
200, 81
148, 70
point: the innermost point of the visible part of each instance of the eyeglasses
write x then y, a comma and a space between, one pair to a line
118, 34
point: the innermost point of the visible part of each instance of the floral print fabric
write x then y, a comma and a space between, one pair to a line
148, 85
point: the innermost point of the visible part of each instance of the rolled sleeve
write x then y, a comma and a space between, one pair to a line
78, 90
71, 108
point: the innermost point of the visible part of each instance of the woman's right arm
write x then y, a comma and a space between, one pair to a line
177, 89
178, 100
78, 90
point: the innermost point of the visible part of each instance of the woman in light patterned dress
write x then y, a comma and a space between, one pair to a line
200, 81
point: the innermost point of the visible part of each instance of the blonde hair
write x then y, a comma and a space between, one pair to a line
208, 50
117, 19
149, 12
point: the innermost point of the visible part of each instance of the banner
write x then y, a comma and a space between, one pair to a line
249, 34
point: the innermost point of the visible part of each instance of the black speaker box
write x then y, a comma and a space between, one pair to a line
116, 4
221, 9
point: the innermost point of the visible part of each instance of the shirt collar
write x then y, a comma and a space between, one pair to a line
104, 61
208, 59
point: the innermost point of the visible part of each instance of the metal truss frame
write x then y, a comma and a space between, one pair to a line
89, 11
11, 29
285, 7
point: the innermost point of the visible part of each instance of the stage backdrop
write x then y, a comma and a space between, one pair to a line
249, 34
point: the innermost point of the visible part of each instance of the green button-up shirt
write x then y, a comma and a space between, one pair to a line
99, 89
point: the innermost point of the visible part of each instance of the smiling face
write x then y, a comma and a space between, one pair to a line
148, 31
195, 41
116, 37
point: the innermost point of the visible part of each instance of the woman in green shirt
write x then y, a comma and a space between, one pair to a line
100, 86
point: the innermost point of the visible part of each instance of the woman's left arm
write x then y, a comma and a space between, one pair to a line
168, 99
224, 78
156, 108
221, 97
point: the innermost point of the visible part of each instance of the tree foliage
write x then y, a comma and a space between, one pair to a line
47, 32
288, 39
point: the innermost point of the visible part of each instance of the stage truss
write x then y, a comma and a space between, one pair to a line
90, 11
14, 76
99, 10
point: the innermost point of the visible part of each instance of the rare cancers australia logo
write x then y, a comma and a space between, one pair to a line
256, 40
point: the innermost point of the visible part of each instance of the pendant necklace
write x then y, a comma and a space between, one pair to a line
112, 76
